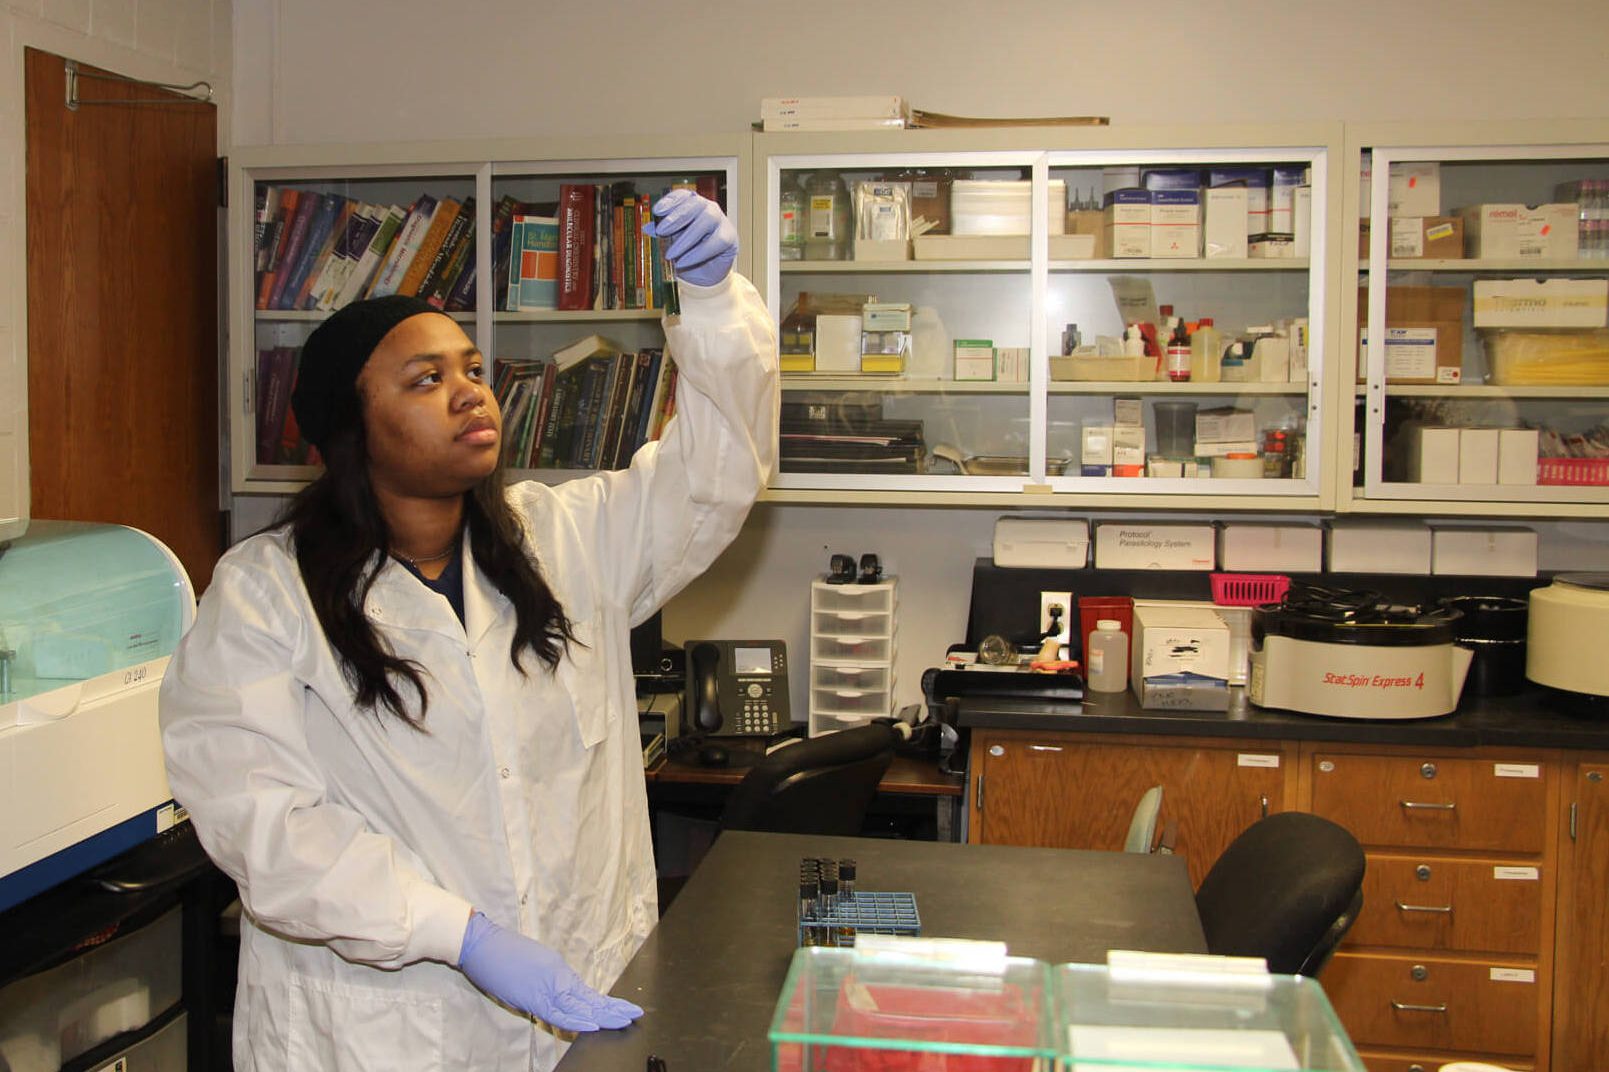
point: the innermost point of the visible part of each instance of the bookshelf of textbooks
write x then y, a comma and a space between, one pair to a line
985, 315
1482, 378
570, 318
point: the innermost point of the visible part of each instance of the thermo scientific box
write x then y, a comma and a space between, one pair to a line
89, 615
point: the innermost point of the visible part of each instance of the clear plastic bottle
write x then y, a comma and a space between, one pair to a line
1206, 353
1106, 652
791, 220
827, 219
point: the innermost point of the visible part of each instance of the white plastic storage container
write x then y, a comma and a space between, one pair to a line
852, 630
48, 1019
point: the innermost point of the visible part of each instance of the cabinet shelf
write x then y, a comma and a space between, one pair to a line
313, 316
1183, 264
1480, 390
887, 267
1511, 264
1129, 264
894, 384
579, 316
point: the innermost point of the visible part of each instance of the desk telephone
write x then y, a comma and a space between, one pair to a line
737, 688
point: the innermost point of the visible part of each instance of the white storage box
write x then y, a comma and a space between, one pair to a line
1041, 543
1541, 303
1157, 545
1433, 455
1002, 207
1516, 455
1414, 188
1483, 551
1179, 657
1377, 547
1543, 232
1477, 455
1271, 547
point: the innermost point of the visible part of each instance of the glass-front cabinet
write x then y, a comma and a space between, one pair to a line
1483, 359
1133, 317
570, 318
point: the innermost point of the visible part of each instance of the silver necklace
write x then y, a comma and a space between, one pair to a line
437, 557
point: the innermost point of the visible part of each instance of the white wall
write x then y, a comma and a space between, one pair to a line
338, 70
174, 41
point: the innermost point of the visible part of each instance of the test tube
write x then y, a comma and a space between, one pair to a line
808, 894
828, 900
846, 879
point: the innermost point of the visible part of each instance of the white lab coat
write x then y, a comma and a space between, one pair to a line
360, 844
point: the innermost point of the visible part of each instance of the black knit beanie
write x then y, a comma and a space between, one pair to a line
326, 396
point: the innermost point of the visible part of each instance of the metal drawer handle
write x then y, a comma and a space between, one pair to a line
1044, 748
1423, 908
1402, 1007
1413, 804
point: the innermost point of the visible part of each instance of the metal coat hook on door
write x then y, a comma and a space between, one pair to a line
74, 74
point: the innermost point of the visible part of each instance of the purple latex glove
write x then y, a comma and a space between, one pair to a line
695, 235
529, 976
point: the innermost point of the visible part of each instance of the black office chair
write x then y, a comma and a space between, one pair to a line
822, 785
1287, 890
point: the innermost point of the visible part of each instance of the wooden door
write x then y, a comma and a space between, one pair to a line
1581, 998
122, 203
1079, 791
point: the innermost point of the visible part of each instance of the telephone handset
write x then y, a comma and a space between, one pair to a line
737, 688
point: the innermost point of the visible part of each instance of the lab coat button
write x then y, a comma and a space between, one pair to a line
524, 897
505, 772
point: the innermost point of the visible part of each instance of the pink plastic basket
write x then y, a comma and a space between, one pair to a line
1248, 589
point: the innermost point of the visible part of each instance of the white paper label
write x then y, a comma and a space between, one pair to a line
1517, 770
1256, 759
1513, 975
1516, 874
164, 818
1407, 237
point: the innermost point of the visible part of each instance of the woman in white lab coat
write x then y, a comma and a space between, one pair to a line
435, 809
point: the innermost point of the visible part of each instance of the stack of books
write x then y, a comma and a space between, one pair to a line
590, 407
834, 113
319, 251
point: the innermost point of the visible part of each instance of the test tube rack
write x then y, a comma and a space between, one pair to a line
863, 912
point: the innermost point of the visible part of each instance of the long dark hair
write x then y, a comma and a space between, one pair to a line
341, 540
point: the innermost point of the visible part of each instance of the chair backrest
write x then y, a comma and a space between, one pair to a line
819, 786
1285, 890
1142, 827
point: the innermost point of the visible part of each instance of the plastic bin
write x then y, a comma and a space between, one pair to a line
1548, 358
48, 1019
850, 649
852, 623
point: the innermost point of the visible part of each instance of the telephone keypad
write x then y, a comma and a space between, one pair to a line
756, 715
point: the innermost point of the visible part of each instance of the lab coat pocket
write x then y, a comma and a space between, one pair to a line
585, 675
339, 1028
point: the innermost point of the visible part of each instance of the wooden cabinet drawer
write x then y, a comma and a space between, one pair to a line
1433, 802
1430, 902
1457, 1005
1420, 1062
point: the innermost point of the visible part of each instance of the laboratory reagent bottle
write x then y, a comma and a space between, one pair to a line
791, 221
827, 221
1206, 353
1107, 653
